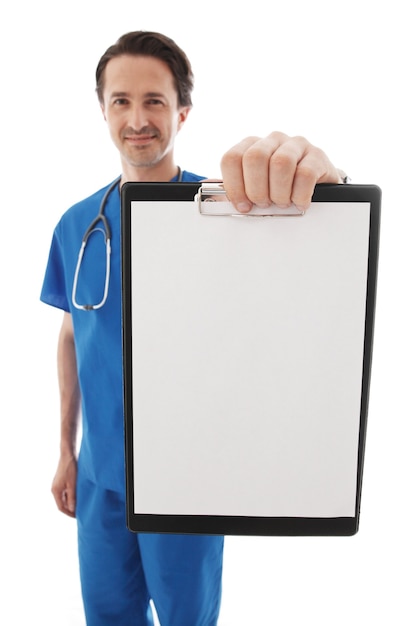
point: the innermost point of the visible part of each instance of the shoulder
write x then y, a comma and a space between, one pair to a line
92, 201
82, 212
189, 177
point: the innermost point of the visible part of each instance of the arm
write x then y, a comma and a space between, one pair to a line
64, 482
276, 169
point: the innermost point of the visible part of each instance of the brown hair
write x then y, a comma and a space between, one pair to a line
146, 43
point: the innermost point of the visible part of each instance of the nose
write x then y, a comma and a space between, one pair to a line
138, 117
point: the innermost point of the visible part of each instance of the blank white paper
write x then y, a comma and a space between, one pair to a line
247, 352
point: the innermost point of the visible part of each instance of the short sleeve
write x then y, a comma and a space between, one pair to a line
54, 290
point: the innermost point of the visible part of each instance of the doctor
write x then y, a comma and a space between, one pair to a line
144, 84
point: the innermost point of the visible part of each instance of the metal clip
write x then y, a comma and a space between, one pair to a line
212, 201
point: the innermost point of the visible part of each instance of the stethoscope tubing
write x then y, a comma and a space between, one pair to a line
100, 218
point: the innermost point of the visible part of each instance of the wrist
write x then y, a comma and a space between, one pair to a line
67, 451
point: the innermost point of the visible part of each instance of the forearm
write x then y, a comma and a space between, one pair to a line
68, 388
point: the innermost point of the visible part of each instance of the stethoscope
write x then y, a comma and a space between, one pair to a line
100, 217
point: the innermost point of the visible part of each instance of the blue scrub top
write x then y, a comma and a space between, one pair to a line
98, 334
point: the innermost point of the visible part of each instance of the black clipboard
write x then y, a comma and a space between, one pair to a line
303, 476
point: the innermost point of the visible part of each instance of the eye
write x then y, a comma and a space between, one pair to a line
154, 102
120, 101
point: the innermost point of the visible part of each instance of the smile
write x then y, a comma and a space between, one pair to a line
140, 139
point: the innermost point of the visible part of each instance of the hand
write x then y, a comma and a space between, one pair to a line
277, 170
63, 485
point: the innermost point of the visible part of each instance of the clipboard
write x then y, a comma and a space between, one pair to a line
247, 349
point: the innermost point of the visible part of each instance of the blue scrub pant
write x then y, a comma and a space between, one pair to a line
121, 571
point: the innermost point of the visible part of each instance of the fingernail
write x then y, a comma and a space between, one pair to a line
263, 205
243, 207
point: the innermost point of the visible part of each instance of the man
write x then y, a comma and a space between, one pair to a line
144, 85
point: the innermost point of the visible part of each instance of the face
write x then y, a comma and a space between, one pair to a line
140, 105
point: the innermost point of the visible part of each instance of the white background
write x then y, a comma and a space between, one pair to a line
341, 74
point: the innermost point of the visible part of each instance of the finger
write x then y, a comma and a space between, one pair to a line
233, 177
64, 501
313, 168
70, 502
57, 494
283, 166
258, 162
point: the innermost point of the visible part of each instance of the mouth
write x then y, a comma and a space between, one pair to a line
142, 138
139, 140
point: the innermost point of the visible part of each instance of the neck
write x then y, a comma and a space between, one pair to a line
158, 173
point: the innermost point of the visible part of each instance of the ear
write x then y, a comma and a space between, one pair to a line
182, 116
102, 111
